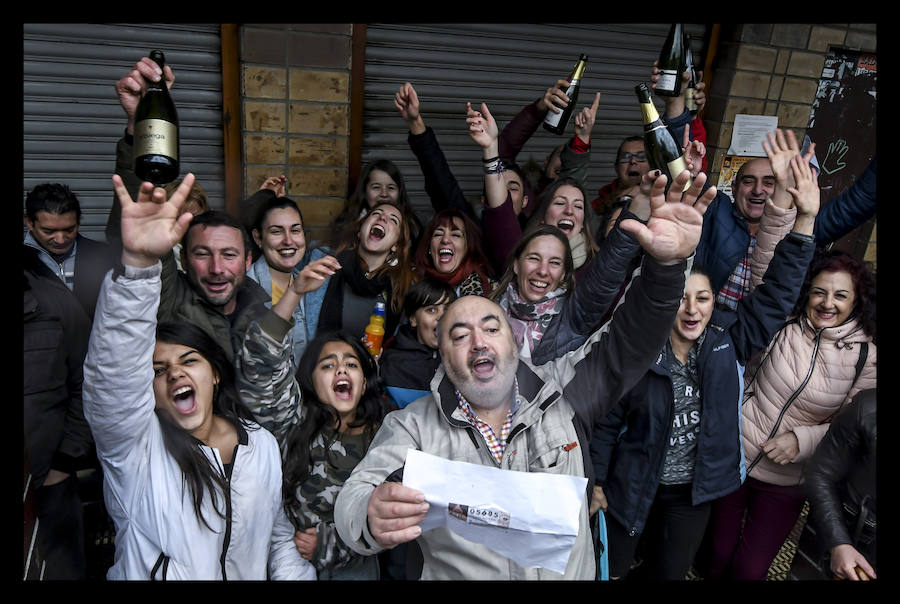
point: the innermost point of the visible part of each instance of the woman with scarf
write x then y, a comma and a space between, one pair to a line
450, 251
375, 267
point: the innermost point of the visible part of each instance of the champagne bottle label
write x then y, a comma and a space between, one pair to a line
676, 167
667, 79
689, 101
155, 137
552, 119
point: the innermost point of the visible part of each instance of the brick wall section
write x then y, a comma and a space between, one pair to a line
773, 69
296, 113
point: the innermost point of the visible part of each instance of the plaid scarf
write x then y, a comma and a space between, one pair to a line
528, 320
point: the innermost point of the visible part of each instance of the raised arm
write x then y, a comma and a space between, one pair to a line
130, 88
781, 148
441, 185
118, 371
517, 132
616, 356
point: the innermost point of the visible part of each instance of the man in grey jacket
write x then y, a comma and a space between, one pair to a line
487, 407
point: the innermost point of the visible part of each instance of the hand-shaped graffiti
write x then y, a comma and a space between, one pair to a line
834, 158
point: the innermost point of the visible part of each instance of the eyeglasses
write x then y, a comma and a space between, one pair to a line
624, 158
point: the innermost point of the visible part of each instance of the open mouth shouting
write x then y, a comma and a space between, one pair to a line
482, 366
377, 232
184, 400
567, 226
343, 389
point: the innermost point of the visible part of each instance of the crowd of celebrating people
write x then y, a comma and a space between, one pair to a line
707, 364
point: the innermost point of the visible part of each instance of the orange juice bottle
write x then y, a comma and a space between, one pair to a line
375, 329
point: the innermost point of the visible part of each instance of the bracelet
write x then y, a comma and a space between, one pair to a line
493, 159
495, 168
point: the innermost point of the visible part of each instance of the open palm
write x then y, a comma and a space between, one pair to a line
673, 230
151, 225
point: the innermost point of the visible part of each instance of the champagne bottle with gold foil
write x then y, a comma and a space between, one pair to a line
671, 62
689, 102
156, 132
663, 153
557, 122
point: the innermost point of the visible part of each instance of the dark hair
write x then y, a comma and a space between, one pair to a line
216, 218
568, 278
53, 198
198, 472
623, 202
627, 139
400, 272
863, 281
474, 262
274, 203
425, 293
370, 410
357, 202
547, 197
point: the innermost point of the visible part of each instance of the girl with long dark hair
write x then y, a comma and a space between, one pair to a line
324, 420
190, 481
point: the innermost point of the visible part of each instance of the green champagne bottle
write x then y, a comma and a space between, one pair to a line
156, 132
663, 153
557, 122
671, 62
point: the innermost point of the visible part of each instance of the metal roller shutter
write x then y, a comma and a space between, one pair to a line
72, 117
506, 66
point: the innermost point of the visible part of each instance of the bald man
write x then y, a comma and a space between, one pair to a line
487, 407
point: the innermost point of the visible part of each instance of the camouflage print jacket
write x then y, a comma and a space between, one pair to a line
268, 388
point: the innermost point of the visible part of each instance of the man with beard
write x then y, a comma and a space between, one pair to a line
488, 407
213, 292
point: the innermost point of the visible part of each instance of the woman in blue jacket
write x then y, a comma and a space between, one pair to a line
672, 444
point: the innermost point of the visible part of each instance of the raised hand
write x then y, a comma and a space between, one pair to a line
394, 513
482, 126
132, 85
555, 99
314, 274
676, 220
407, 102
693, 152
699, 94
276, 184
151, 225
805, 190
584, 120
780, 149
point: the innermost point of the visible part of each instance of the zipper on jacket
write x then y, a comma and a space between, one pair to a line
227, 540
791, 399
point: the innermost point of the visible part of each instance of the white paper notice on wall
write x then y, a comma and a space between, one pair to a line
531, 518
749, 133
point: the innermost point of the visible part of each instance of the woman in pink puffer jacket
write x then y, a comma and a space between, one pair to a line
814, 366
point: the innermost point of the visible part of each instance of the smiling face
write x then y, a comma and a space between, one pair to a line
540, 268
832, 297
754, 183
566, 210
516, 190
695, 310
216, 263
55, 233
282, 239
629, 171
425, 321
478, 351
380, 230
183, 385
338, 379
449, 246
381, 188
